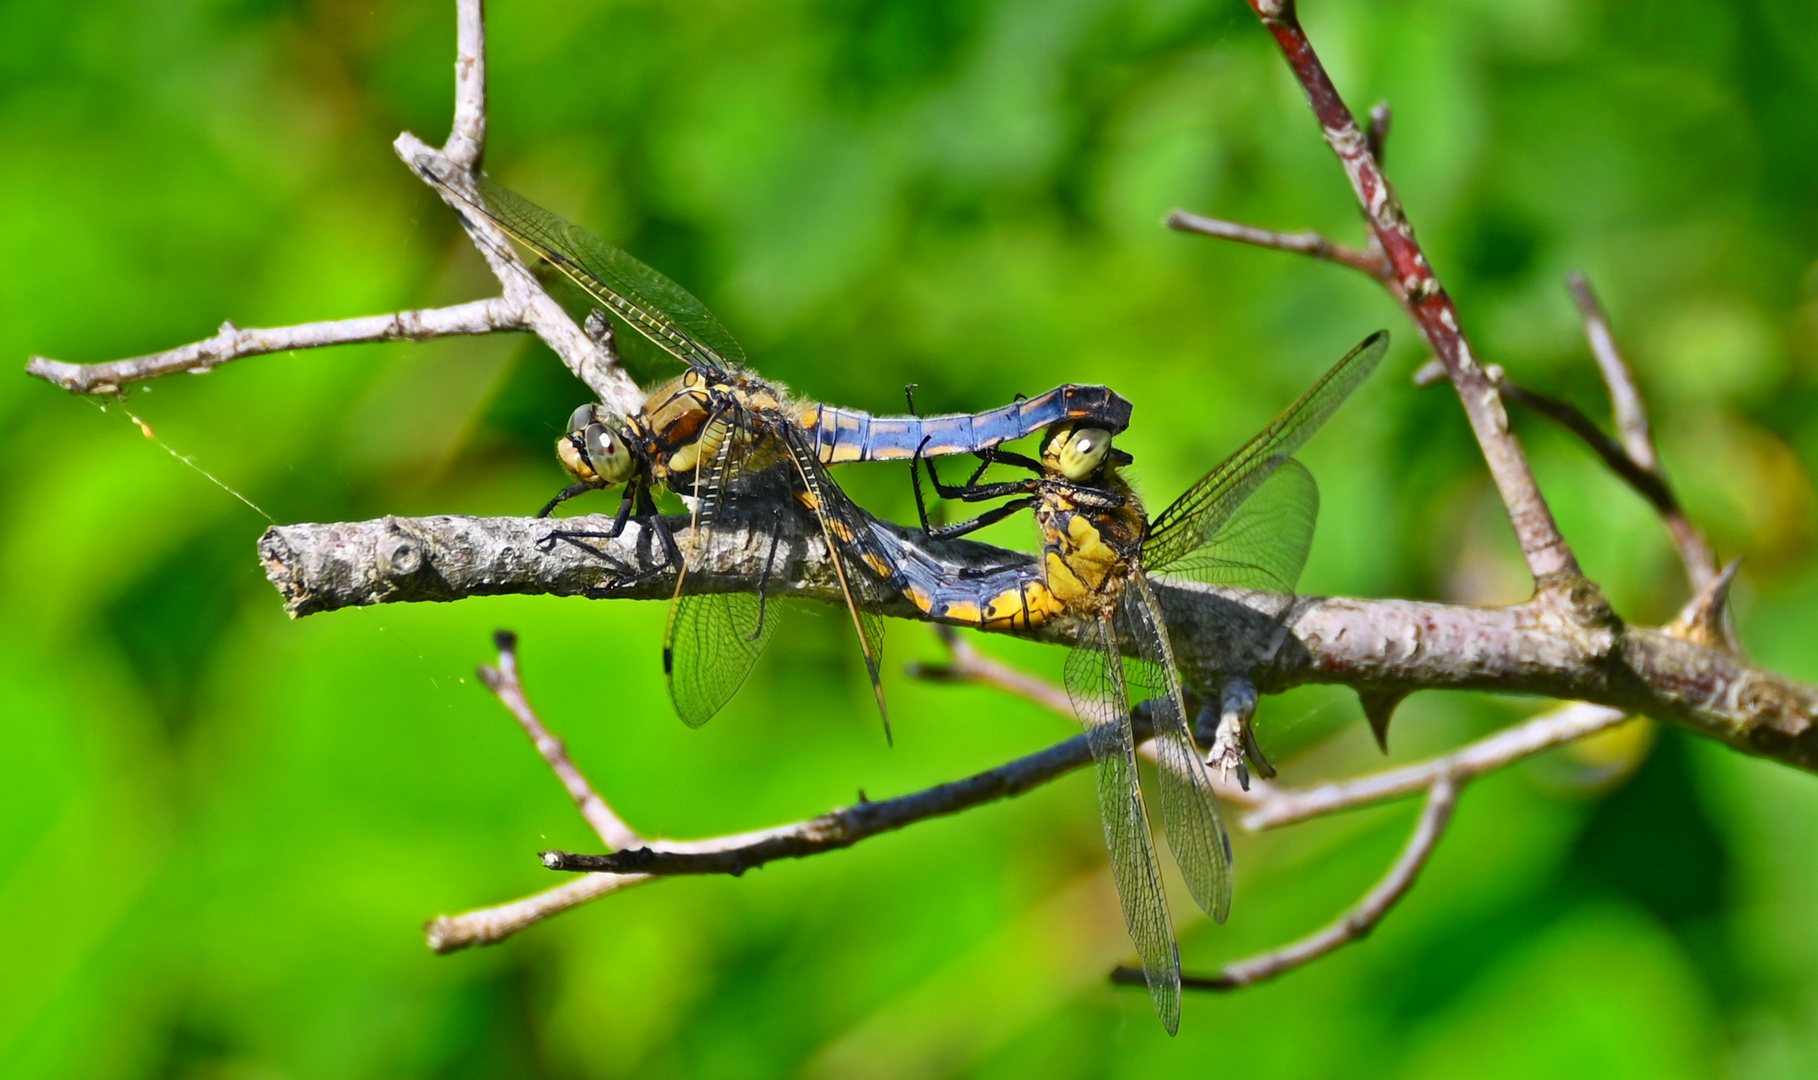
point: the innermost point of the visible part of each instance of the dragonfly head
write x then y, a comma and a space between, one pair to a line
595, 451
1081, 452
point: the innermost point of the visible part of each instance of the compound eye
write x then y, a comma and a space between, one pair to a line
581, 417
1083, 452
607, 454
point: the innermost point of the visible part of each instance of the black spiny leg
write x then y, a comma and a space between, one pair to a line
763, 595
989, 517
578, 488
653, 518
619, 518
971, 492
637, 495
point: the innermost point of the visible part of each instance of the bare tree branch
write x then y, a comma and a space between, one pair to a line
1398, 645
1300, 243
1411, 280
1637, 435
843, 827
233, 343
467, 135
504, 683
1569, 723
523, 305
1353, 925
491, 925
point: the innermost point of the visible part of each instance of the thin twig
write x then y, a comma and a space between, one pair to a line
467, 135
1411, 280
539, 312
1637, 434
1625, 398
1354, 924
505, 684
234, 343
1300, 243
1646, 481
491, 925
1568, 723
1376, 133
966, 664
839, 828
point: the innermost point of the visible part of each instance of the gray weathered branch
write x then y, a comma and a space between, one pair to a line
234, 342
1375, 645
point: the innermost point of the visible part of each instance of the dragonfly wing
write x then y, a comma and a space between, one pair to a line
849, 544
1095, 682
1263, 543
1189, 810
648, 301
712, 640
1193, 519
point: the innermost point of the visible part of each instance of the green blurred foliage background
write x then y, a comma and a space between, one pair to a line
220, 829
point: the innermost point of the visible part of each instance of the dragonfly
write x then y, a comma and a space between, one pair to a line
1246, 524
721, 435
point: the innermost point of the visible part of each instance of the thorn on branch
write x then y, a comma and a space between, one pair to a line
1379, 708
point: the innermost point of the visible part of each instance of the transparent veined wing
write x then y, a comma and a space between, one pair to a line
1193, 519
1262, 544
851, 549
649, 302
712, 640
1189, 809
1095, 682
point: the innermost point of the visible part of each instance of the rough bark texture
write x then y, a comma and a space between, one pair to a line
1372, 645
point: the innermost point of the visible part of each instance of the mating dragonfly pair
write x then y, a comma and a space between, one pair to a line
724, 437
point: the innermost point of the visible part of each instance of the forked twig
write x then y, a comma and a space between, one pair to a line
1412, 282
1637, 434
1570, 722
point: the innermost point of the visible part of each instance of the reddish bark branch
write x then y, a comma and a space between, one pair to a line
1414, 284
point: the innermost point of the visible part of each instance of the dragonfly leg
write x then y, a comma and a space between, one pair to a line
991, 516
579, 487
763, 594
653, 519
972, 492
1011, 458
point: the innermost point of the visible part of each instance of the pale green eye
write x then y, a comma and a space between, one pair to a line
606, 454
1083, 452
581, 417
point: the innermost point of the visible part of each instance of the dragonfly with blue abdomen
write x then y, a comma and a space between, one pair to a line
719, 432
